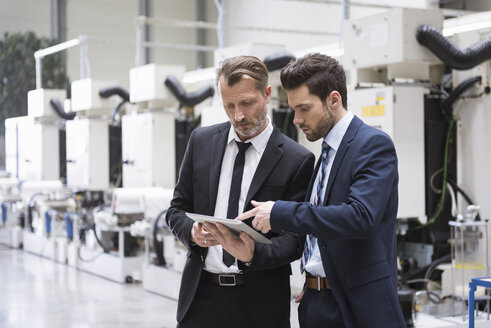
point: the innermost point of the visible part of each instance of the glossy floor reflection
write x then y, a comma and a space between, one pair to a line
37, 292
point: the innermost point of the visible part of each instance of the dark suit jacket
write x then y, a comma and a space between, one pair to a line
283, 173
356, 227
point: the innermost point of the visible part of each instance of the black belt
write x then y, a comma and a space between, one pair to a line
223, 279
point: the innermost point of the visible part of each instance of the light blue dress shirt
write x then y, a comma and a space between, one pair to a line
333, 139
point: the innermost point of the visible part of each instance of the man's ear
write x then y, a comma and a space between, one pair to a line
268, 94
334, 99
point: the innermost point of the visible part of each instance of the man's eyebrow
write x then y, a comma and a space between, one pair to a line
299, 105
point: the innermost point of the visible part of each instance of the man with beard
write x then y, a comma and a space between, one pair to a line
349, 215
230, 282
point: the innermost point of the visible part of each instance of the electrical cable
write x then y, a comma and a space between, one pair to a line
82, 238
451, 191
460, 191
448, 103
432, 179
158, 246
443, 191
429, 271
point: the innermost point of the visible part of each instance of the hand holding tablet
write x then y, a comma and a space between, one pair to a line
235, 226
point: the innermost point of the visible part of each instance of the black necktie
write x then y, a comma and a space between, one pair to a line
233, 199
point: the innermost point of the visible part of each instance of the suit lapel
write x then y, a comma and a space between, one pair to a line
343, 148
271, 155
216, 157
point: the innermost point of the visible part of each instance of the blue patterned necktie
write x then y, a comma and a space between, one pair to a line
310, 240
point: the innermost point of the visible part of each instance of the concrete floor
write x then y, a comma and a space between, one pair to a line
37, 292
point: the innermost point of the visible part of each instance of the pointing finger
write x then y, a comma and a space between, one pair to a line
246, 215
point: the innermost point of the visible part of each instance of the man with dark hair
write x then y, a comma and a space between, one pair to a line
230, 282
349, 215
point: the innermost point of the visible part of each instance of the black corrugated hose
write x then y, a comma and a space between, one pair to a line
278, 61
185, 99
432, 39
58, 107
112, 91
115, 90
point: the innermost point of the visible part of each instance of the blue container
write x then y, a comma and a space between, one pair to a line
4, 212
47, 221
69, 225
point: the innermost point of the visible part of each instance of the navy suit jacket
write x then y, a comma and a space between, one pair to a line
355, 227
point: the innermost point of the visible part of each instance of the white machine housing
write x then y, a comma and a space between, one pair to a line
87, 153
38, 102
147, 84
12, 144
399, 111
389, 41
32, 149
473, 128
149, 150
85, 96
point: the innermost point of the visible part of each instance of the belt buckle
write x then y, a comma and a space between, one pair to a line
318, 283
224, 283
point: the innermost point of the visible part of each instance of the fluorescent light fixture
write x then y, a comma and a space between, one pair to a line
471, 22
199, 75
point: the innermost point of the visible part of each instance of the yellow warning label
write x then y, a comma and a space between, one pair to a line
469, 265
375, 110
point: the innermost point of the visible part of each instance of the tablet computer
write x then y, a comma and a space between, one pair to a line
235, 226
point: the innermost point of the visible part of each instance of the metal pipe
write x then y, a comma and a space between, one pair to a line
57, 48
179, 46
39, 83
281, 30
180, 23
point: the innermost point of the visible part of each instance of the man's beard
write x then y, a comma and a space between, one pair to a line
323, 128
254, 129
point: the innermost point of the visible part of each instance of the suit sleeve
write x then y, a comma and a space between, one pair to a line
374, 172
183, 202
287, 246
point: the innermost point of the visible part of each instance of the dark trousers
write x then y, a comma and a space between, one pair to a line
217, 306
241, 306
319, 309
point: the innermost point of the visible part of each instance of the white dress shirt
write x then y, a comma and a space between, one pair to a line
333, 139
214, 258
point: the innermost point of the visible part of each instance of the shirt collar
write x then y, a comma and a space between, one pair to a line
259, 142
335, 136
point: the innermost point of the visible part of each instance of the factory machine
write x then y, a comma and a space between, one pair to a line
94, 158
154, 141
11, 222
430, 97
33, 146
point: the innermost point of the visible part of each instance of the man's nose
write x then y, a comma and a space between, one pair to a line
239, 115
297, 119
